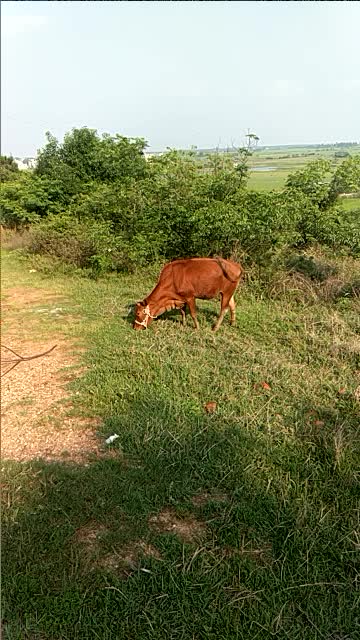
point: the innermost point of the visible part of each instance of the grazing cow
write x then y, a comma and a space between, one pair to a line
181, 281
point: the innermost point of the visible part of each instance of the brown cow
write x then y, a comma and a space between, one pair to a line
181, 281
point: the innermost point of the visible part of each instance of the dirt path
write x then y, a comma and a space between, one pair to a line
35, 402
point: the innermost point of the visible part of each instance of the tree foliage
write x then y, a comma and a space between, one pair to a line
8, 169
312, 181
346, 178
98, 204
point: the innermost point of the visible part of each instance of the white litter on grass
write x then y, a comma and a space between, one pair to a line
111, 439
56, 310
32, 270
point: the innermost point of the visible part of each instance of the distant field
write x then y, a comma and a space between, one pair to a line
319, 152
350, 203
287, 160
268, 180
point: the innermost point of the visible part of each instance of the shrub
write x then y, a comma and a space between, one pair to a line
8, 169
81, 245
90, 245
26, 200
312, 181
310, 267
346, 178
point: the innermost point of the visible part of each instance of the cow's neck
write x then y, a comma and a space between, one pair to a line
158, 304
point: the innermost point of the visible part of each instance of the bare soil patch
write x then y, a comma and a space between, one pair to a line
24, 297
90, 534
124, 560
128, 558
35, 420
188, 529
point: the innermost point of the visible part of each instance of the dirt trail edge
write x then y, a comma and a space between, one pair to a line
35, 420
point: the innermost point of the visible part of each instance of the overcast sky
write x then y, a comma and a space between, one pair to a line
181, 73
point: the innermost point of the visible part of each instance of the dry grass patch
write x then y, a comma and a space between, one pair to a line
122, 560
188, 529
202, 499
90, 535
294, 286
24, 297
316, 277
128, 559
14, 240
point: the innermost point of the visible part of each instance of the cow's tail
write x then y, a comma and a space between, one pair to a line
232, 271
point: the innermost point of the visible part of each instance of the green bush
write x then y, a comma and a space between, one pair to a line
312, 181
27, 200
82, 245
95, 203
310, 267
8, 169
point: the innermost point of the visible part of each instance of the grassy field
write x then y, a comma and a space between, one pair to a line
350, 203
286, 160
241, 523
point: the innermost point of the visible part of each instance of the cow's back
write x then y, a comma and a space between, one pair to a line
203, 277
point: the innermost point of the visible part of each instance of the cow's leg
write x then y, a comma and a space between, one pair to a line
191, 304
232, 307
183, 315
225, 304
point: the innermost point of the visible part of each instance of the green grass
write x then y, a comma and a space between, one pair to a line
349, 204
267, 180
279, 552
286, 160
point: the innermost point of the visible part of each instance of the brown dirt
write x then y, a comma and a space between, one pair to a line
24, 297
187, 529
90, 534
128, 558
124, 560
35, 415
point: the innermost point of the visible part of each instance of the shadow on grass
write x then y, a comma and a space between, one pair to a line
205, 316
265, 564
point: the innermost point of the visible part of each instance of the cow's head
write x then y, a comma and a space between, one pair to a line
143, 315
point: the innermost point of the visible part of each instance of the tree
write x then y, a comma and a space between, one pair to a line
346, 178
48, 158
8, 169
312, 181
88, 157
26, 200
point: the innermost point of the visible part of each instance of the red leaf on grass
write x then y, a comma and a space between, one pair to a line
266, 386
210, 407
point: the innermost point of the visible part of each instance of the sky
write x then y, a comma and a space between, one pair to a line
180, 73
